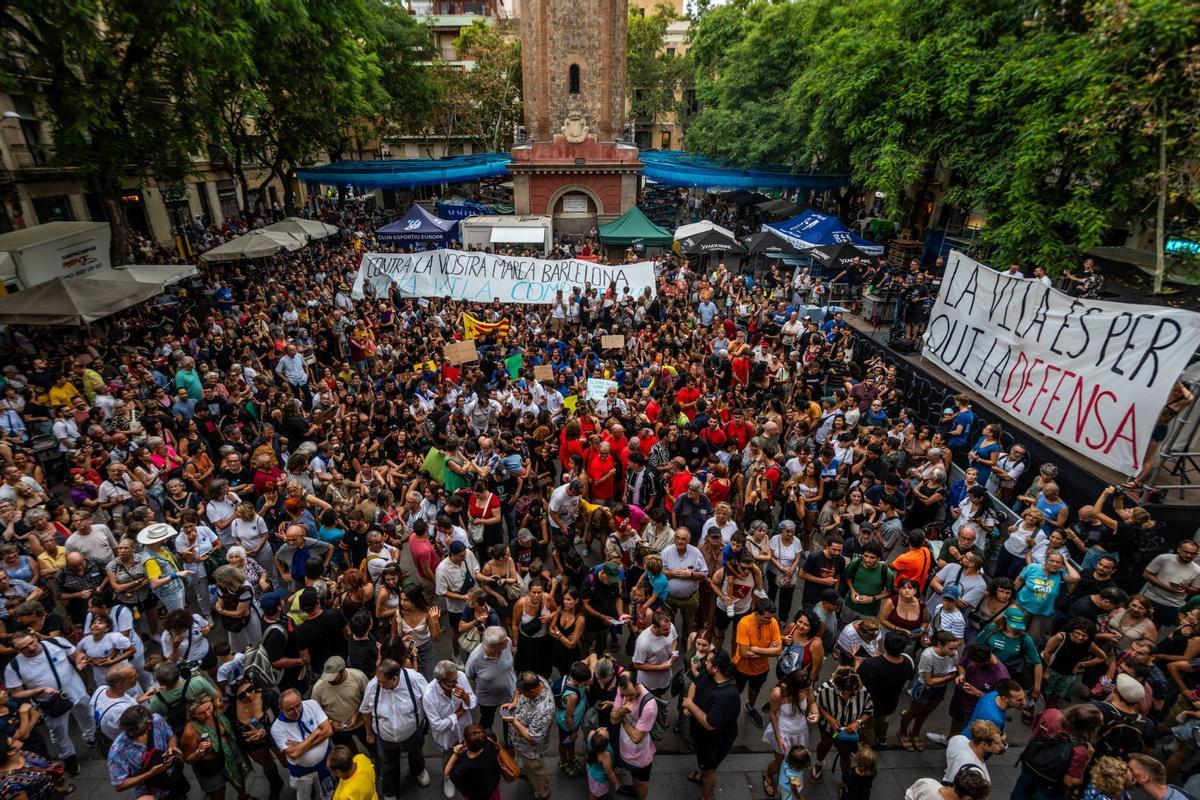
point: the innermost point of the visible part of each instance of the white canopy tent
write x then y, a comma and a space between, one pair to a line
301, 228
255, 244
164, 274
74, 301
703, 226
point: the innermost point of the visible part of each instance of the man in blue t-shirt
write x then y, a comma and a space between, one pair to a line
960, 422
994, 705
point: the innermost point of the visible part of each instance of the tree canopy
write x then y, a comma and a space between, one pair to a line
1050, 118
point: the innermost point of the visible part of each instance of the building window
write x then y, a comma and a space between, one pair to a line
573, 79
665, 140
95, 208
52, 209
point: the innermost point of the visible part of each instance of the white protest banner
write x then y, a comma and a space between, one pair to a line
1091, 374
598, 387
481, 277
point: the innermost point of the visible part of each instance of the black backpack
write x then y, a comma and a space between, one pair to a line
1121, 735
1047, 758
175, 711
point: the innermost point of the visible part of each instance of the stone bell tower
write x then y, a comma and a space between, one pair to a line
574, 164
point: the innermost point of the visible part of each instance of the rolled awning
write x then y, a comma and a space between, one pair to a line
518, 236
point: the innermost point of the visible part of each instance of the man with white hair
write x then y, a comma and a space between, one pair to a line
490, 670
448, 702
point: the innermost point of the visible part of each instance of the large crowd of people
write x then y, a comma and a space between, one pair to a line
278, 533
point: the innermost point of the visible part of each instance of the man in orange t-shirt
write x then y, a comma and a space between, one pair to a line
758, 639
916, 564
601, 470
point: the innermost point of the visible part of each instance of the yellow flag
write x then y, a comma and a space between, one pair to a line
569, 403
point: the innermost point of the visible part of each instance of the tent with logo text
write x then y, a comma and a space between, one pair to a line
417, 226
814, 229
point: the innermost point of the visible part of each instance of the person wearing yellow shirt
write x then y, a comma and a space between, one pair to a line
355, 774
91, 381
62, 392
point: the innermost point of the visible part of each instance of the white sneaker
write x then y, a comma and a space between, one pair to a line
423, 778
448, 789
578, 540
936, 738
761, 594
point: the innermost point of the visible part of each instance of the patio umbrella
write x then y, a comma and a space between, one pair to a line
301, 228
711, 241
255, 244
767, 243
778, 208
837, 256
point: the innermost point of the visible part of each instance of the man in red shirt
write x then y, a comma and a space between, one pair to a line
424, 556
687, 397
739, 430
678, 482
712, 433
646, 439
601, 470
740, 367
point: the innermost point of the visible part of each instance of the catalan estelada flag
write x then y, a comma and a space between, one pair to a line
474, 328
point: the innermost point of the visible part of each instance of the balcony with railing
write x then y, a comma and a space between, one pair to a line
31, 156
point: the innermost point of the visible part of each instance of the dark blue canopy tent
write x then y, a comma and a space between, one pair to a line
417, 226
407, 174
813, 229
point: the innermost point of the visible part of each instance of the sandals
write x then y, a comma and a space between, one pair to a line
815, 772
694, 776
768, 785
907, 742
919, 743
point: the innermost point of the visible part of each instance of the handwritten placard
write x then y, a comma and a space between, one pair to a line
612, 342
543, 372
461, 352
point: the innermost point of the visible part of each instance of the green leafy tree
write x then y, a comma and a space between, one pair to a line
488, 94
121, 82
655, 78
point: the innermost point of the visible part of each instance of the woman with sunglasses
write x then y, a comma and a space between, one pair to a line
253, 713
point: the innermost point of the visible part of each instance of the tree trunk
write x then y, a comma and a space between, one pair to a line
110, 198
1160, 217
289, 192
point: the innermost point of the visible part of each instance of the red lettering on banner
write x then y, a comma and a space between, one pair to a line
1004, 398
1128, 421
1054, 397
1099, 418
1042, 388
1026, 383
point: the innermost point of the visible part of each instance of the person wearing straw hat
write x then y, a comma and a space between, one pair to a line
167, 579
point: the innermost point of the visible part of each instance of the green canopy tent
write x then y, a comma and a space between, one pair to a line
633, 229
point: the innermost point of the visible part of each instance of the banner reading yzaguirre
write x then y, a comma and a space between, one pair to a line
1091, 374
481, 277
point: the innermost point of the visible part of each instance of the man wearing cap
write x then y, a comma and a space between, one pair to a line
280, 643
602, 603
685, 568
339, 691
395, 723
1124, 731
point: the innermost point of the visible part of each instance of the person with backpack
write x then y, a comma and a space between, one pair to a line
868, 583
275, 662
1124, 731
395, 723
570, 706
47, 671
176, 691
1054, 765
635, 710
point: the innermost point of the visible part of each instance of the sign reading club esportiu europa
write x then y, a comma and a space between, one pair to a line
482, 277
1093, 375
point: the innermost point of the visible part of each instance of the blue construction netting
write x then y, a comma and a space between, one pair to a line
681, 168
669, 167
408, 173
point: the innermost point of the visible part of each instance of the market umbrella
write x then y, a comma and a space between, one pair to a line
712, 241
301, 228
768, 243
255, 244
837, 256
778, 208
694, 228
75, 301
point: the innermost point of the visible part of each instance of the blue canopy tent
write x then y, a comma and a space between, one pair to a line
681, 168
418, 225
461, 209
814, 229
